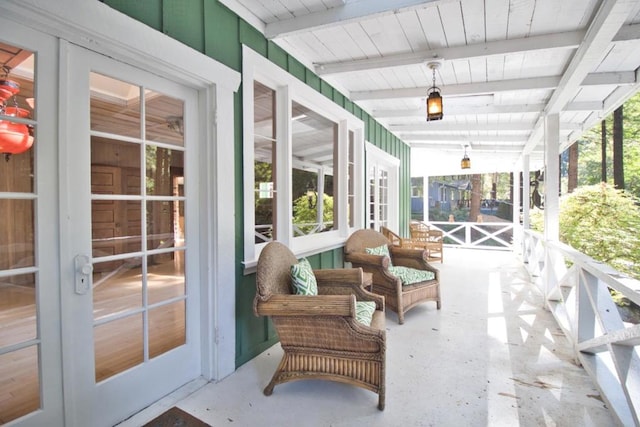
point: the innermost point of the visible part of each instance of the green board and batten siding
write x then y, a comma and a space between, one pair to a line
211, 28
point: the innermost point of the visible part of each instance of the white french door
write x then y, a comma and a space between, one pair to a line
130, 297
382, 189
30, 351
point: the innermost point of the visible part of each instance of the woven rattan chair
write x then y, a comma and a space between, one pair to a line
319, 334
423, 237
398, 298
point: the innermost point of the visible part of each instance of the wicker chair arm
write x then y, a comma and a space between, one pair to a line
346, 281
338, 276
303, 305
413, 258
364, 258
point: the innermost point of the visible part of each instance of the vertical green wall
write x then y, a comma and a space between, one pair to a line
209, 27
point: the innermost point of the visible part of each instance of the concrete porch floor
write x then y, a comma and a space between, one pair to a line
492, 356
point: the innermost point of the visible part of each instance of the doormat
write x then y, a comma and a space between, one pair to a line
176, 417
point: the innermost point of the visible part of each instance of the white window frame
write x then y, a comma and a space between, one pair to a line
381, 159
288, 88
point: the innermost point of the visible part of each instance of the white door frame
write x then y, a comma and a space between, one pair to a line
100, 28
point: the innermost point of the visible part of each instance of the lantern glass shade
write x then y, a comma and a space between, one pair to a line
465, 163
434, 105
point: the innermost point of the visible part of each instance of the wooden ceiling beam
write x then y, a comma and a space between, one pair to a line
550, 82
349, 12
564, 40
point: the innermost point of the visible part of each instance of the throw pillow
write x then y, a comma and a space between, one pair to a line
379, 250
302, 278
364, 311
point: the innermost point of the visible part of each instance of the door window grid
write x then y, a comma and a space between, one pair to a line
139, 255
20, 340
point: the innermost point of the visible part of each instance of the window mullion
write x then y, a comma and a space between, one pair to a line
284, 165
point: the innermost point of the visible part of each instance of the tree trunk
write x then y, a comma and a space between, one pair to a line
603, 139
618, 165
476, 197
573, 167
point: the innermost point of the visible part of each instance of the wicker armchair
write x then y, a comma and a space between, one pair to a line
319, 334
398, 298
423, 237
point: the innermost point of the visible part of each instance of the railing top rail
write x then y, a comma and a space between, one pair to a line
629, 286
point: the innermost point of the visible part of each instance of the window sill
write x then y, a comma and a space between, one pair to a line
302, 247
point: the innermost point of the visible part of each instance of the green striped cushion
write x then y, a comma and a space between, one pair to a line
409, 276
380, 250
364, 312
302, 278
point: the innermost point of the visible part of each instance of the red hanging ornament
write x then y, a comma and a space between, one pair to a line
15, 138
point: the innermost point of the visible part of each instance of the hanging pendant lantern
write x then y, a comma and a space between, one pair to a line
434, 99
8, 88
15, 138
465, 163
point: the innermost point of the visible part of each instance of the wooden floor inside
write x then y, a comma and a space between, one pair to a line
118, 344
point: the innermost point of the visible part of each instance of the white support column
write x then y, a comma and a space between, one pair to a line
552, 177
517, 230
425, 199
526, 192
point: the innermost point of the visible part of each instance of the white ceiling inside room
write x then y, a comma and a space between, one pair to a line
505, 64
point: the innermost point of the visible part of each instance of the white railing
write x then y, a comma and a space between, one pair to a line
482, 235
576, 290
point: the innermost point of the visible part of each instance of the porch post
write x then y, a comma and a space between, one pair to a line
517, 232
425, 199
552, 177
526, 192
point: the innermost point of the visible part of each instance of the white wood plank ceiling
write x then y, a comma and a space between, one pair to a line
505, 64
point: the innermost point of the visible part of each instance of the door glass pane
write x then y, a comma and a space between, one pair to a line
164, 166
164, 118
137, 221
166, 328
264, 128
117, 287
19, 377
19, 309
165, 279
118, 346
115, 106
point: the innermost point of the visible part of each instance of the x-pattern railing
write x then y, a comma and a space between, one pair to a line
485, 235
577, 292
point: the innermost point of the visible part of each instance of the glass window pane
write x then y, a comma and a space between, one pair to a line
16, 175
115, 106
164, 227
166, 328
165, 277
164, 118
264, 163
115, 227
118, 346
16, 233
17, 309
21, 370
314, 142
115, 167
165, 171
117, 287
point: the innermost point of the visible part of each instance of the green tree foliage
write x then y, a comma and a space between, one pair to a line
307, 216
602, 222
589, 163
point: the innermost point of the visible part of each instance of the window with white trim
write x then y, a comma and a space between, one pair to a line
382, 189
303, 164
